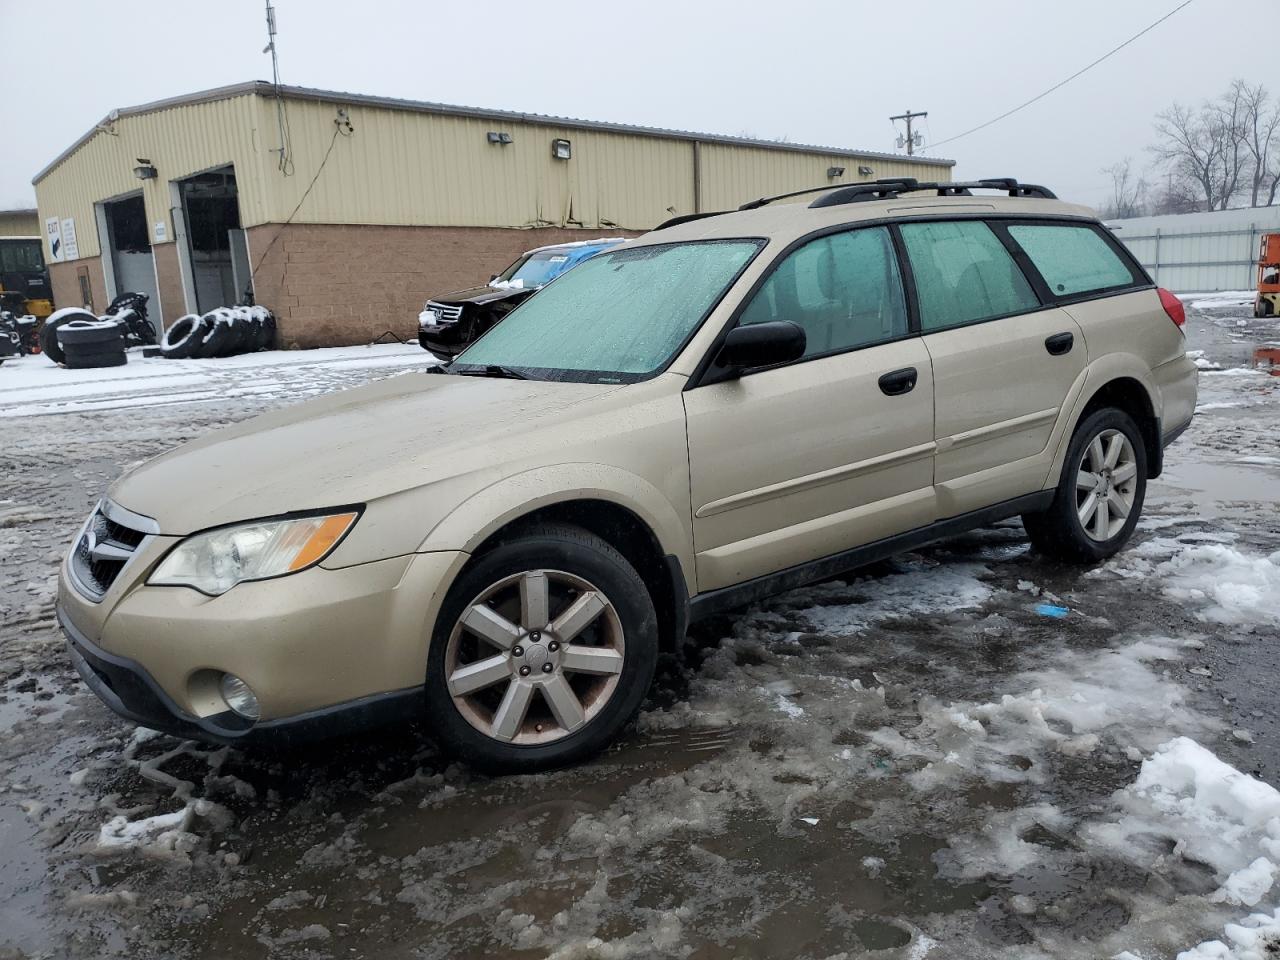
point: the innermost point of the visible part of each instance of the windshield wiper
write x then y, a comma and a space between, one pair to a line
494, 370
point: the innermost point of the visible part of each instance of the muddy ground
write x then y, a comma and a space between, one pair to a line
912, 761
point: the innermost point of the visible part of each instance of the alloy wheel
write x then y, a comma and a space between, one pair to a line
1106, 484
534, 657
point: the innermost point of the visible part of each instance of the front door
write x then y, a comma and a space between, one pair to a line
789, 464
1003, 364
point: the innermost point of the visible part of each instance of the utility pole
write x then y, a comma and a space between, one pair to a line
912, 141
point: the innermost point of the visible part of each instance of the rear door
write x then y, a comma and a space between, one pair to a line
1004, 361
792, 463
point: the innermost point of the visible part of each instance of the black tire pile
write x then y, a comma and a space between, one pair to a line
223, 332
92, 342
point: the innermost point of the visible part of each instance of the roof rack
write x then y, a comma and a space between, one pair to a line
892, 188
887, 188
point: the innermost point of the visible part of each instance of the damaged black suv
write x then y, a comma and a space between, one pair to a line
448, 324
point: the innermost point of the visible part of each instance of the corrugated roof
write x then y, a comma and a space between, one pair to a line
264, 89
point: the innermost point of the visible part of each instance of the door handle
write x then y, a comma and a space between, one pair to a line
897, 382
1060, 343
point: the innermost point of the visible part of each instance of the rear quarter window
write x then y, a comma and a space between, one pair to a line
1072, 258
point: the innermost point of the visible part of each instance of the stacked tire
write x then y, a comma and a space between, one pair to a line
223, 332
86, 343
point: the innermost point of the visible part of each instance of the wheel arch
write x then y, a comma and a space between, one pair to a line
620, 508
1122, 381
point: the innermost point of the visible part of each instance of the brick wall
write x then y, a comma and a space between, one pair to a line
330, 285
169, 284
66, 285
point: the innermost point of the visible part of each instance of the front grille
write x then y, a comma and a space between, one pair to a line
105, 547
447, 311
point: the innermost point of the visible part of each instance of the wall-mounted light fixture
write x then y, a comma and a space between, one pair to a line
145, 170
833, 172
865, 171
496, 137
561, 149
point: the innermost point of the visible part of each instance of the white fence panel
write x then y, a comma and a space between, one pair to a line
1200, 251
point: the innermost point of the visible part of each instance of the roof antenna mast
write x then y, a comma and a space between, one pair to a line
286, 162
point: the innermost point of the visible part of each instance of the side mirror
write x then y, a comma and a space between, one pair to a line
762, 344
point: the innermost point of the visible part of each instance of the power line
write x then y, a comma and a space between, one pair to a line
1063, 83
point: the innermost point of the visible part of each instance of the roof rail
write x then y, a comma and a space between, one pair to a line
886, 190
756, 204
688, 218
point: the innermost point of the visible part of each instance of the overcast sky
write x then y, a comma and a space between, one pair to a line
811, 71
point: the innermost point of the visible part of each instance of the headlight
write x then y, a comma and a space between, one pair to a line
216, 561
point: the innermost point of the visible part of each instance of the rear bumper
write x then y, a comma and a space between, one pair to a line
130, 691
1169, 436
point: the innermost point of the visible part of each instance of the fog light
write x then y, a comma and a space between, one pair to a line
238, 696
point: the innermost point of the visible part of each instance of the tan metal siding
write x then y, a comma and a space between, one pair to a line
179, 141
402, 168
733, 174
19, 223
414, 168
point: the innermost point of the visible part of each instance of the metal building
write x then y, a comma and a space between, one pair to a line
19, 223
342, 213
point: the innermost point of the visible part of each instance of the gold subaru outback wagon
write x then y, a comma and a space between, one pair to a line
729, 406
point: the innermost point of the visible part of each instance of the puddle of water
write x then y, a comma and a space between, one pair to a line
1213, 486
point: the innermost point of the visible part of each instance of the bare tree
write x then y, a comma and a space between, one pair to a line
1204, 146
1229, 146
1128, 192
1261, 122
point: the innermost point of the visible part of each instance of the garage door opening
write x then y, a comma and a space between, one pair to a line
215, 243
123, 225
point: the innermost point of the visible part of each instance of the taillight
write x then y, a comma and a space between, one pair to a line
1173, 307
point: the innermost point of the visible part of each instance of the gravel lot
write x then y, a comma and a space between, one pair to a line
913, 761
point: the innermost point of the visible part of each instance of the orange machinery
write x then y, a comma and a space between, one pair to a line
1267, 303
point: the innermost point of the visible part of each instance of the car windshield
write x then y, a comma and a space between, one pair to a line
533, 270
618, 318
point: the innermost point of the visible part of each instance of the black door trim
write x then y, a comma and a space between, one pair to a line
726, 598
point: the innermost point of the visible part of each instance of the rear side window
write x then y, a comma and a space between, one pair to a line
1072, 258
963, 274
844, 289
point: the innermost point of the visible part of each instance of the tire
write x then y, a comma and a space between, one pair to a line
622, 635
1059, 532
87, 359
82, 333
183, 337
49, 333
221, 338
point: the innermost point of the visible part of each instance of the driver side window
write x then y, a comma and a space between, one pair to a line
843, 289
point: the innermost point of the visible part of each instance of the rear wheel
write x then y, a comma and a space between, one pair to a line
543, 651
1100, 493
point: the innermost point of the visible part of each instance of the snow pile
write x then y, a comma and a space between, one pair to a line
1204, 571
1109, 701
1209, 811
167, 835
1256, 937
1232, 587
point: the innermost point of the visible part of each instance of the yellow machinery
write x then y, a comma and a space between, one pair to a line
24, 280
1267, 303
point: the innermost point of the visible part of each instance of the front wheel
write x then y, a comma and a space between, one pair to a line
543, 651
1100, 493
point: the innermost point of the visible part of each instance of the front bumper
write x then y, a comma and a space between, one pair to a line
130, 691
326, 651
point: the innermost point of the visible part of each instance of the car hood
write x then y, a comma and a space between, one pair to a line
485, 294
349, 447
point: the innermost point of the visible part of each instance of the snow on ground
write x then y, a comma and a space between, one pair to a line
32, 385
1219, 300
